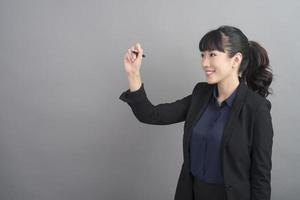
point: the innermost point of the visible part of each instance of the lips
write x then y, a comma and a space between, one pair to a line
208, 72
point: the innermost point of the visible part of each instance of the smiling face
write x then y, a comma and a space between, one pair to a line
218, 66
220, 57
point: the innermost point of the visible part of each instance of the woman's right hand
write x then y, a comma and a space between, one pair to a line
132, 62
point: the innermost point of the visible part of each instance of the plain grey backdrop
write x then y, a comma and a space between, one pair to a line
65, 135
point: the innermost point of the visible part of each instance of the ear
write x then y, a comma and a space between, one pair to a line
237, 59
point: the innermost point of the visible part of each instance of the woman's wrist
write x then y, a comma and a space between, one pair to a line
135, 81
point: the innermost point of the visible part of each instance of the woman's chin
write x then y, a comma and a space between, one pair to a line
211, 81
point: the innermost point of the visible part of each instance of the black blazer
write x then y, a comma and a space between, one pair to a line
247, 141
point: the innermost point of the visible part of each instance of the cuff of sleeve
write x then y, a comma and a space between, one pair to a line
135, 96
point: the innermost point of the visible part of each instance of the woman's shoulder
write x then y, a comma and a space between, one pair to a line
252, 98
202, 86
256, 100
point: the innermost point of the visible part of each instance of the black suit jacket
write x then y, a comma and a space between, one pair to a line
246, 146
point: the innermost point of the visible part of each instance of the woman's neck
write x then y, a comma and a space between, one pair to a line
225, 89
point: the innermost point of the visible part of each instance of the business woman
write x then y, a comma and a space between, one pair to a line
228, 133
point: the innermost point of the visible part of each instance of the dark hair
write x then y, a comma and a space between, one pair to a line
254, 68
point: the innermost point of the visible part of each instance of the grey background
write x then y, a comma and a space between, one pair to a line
64, 134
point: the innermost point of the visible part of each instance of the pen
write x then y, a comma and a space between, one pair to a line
136, 53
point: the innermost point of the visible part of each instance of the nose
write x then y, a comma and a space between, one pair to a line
205, 62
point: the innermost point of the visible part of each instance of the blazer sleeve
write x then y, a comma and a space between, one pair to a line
261, 153
160, 114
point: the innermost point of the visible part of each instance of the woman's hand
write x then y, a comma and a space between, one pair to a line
133, 61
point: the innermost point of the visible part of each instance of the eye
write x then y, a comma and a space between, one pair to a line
202, 55
212, 54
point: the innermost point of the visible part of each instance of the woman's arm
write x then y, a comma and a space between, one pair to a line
135, 96
261, 162
161, 114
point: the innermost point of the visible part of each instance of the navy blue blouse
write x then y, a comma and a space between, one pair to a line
206, 139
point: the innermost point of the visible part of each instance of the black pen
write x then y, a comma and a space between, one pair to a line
136, 53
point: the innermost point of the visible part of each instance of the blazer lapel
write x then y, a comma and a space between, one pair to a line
234, 112
202, 99
198, 107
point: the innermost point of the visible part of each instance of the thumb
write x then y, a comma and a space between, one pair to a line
140, 50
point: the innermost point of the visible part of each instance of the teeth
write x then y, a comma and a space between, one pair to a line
210, 72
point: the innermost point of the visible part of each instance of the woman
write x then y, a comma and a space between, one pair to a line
228, 133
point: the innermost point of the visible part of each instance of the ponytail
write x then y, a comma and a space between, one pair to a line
258, 74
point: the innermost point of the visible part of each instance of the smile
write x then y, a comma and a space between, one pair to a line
209, 72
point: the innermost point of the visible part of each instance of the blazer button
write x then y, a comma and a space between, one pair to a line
228, 187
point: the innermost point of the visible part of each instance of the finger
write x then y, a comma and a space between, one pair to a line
134, 52
138, 45
130, 54
130, 57
127, 57
133, 49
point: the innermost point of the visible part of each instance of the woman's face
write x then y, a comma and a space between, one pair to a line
217, 66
